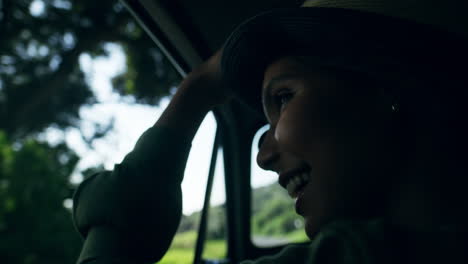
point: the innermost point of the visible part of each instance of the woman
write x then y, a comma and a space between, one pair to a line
365, 105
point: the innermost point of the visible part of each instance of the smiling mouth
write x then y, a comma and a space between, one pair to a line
296, 182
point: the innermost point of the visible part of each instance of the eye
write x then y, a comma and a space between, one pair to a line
282, 98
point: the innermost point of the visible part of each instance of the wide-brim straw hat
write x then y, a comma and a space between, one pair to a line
384, 37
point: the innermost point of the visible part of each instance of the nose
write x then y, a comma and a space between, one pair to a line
268, 154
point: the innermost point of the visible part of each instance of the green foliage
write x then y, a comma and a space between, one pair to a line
262, 195
216, 224
148, 75
33, 187
189, 222
273, 219
273, 212
41, 82
43, 85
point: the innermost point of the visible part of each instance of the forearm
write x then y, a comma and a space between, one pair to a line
199, 93
138, 204
189, 106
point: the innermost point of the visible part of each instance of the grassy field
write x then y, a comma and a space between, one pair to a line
183, 247
297, 236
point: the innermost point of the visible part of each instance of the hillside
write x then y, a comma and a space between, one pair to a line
272, 216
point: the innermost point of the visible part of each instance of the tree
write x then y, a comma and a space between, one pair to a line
272, 212
42, 85
35, 227
41, 82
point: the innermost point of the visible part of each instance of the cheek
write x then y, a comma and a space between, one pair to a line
294, 130
300, 129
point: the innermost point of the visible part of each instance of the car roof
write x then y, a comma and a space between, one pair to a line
190, 31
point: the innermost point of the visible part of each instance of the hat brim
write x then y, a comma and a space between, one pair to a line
343, 38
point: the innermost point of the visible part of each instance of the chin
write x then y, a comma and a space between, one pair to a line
311, 227
314, 224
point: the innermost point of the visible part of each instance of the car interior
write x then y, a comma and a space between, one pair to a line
188, 32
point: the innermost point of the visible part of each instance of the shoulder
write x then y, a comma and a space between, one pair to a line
339, 243
349, 242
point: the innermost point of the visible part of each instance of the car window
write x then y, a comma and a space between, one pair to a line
215, 245
273, 219
194, 185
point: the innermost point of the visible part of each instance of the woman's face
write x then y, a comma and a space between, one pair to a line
326, 141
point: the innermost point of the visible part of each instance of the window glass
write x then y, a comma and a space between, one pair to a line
215, 247
183, 245
273, 219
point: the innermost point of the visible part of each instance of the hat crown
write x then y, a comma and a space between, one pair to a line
450, 15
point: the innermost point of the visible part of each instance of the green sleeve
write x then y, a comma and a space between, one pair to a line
130, 214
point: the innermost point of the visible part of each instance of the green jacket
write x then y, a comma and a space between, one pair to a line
130, 214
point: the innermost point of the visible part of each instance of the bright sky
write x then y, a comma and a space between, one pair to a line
131, 120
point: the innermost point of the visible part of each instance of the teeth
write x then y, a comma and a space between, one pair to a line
295, 182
